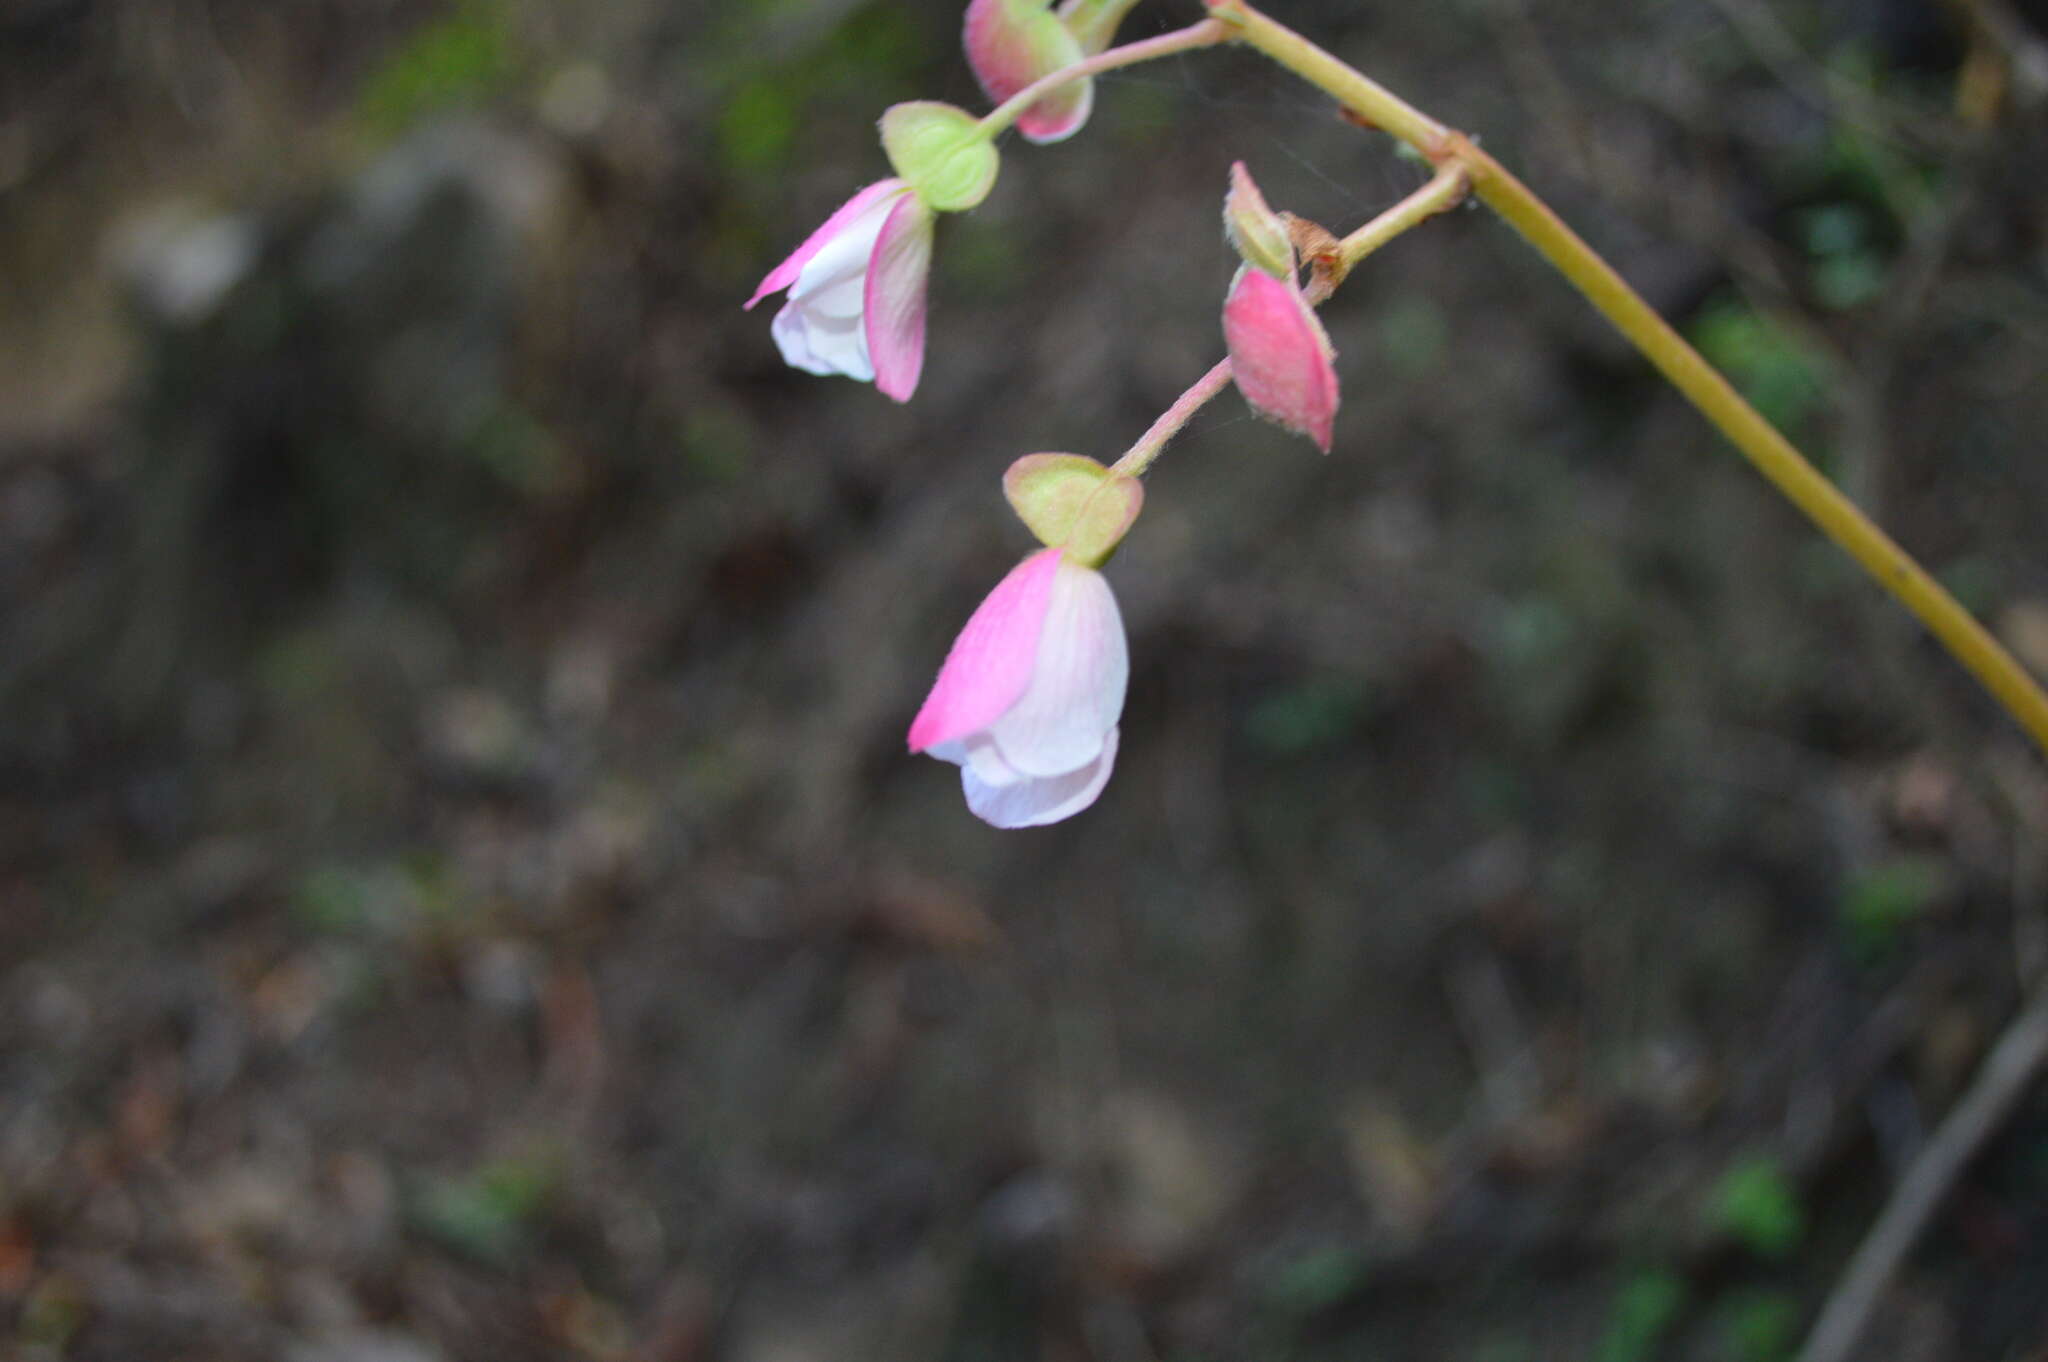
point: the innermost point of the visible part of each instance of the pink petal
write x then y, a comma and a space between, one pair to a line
1055, 118
1280, 356
783, 275
992, 660
895, 300
1077, 680
1034, 802
1010, 44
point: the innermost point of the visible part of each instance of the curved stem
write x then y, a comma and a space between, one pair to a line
1207, 33
1771, 453
1140, 456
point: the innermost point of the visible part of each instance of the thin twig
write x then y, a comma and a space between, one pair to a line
2014, 1064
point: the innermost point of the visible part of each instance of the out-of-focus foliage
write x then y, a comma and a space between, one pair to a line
455, 62
1644, 1309
1782, 377
462, 893
1755, 1203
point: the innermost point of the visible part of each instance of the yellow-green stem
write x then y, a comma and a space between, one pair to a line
1773, 455
1446, 190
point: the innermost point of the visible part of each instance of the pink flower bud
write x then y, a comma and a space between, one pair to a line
1280, 355
1010, 44
857, 291
1028, 700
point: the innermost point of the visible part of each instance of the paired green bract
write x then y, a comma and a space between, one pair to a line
1072, 502
941, 151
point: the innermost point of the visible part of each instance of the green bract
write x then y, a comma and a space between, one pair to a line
1257, 232
942, 152
1094, 22
1073, 503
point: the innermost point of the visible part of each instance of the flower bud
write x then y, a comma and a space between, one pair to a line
1255, 230
1280, 355
941, 152
1010, 44
1073, 503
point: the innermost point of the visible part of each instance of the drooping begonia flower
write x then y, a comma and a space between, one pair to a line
1280, 356
857, 291
1028, 700
1012, 43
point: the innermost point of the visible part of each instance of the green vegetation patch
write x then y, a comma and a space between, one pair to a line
456, 62
1756, 1204
1777, 371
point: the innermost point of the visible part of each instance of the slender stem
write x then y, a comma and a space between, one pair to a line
1140, 456
2005, 1077
1206, 33
1447, 190
1365, 97
1773, 456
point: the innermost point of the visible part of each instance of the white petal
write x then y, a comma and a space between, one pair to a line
954, 751
822, 345
1036, 801
819, 329
977, 754
831, 282
988, 766
1077, 686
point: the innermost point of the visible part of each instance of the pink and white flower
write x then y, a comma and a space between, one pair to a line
1028, 700
857, 291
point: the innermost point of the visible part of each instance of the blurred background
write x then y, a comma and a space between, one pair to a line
462, 891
